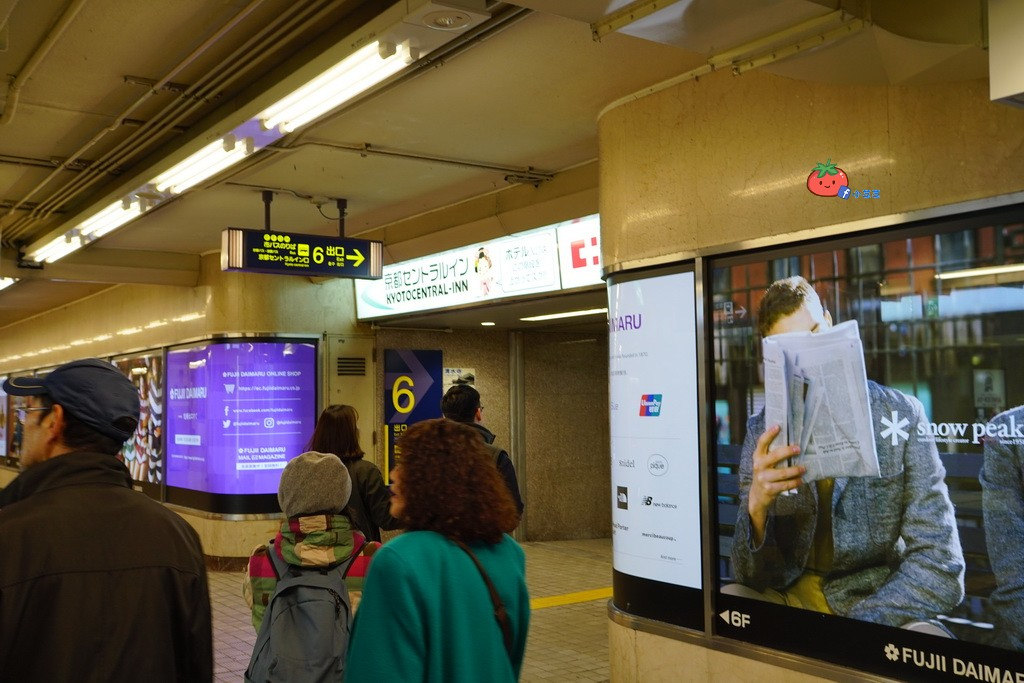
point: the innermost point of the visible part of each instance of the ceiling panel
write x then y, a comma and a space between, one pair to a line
527, 96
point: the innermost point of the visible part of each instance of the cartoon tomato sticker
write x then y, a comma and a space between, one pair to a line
826, 179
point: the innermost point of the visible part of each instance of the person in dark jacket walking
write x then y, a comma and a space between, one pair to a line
461, 403
98, 582
337, 432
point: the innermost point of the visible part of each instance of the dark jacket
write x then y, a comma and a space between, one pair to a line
503, 461
97, 581
370, 499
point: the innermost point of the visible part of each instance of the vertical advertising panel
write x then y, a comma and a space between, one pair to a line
656, 539
412, 392
144, 454
237, 412
12, 439
3, 421
869, 436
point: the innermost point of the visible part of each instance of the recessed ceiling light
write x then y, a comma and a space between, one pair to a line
447, 20
487, 324
567, 314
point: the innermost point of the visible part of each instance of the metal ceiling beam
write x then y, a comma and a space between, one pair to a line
629, 14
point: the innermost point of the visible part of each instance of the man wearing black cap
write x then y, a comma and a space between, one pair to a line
97, 581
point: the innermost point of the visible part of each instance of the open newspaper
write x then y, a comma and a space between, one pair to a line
816, 390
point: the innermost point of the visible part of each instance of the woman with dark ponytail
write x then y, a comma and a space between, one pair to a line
337, 432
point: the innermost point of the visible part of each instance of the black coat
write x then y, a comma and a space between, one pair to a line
97, 581
503, 462
370, 499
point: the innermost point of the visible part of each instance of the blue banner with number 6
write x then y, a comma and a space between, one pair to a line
412, 392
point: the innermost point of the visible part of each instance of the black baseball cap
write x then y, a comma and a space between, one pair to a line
92, 390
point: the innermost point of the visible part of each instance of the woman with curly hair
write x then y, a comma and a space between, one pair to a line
337, 432
447, 600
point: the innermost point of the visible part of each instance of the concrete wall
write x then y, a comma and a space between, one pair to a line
568, 461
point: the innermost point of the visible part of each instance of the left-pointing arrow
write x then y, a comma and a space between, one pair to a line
358, 258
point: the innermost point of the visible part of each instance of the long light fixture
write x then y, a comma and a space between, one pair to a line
204, 164
356, 73
97, 225
363, 69
6, 282
110, 218
979, 272
58, 247
566, 314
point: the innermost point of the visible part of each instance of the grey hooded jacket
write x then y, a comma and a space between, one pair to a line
1002, 485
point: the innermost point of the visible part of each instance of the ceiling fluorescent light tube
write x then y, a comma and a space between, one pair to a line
978, 272
6, 282
363, 69
109, 219
57, 248
208, 171
206, 163
567, 314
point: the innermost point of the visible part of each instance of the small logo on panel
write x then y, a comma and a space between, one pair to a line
622, 497
895, 428
579, 259
650, 405
268, 422
628, 463
648, 500
828, 180
657, 464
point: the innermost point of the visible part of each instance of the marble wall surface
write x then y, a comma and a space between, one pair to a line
726, 158
567, 440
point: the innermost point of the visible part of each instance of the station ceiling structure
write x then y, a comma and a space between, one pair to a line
484, 119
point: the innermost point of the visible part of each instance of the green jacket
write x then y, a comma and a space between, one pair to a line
426, 614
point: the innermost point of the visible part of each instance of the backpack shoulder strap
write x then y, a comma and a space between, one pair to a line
355, 554
276, 561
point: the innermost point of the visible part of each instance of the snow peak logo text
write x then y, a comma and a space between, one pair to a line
968, 432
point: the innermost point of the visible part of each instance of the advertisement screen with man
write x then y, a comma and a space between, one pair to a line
870, 430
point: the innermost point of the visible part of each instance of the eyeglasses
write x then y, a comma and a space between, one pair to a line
22, 413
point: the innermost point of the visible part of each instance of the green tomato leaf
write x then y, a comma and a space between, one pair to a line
825, 168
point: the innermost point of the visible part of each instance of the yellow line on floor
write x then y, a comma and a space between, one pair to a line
571, 598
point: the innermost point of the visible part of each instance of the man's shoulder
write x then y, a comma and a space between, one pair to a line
889, 398
1012, 416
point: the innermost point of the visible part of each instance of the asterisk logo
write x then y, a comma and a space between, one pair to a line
895, 428
892, 652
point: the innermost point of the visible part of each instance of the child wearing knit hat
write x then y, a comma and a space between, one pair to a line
317, 530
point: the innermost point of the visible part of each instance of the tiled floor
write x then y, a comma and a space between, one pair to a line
566, 642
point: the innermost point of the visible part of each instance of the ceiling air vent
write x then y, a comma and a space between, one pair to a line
351, 367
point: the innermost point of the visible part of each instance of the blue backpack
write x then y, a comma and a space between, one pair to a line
305, 629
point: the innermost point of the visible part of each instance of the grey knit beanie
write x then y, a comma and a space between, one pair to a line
314, 482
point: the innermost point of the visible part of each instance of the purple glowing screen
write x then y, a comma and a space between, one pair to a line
237, 413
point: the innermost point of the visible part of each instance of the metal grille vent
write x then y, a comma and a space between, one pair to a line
351, 367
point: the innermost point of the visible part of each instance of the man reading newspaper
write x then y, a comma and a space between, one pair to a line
816, 391
881, 547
